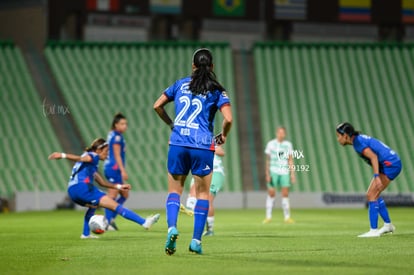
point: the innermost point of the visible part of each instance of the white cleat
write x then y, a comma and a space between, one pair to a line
150, 221
387, 228
373, 233
89, 237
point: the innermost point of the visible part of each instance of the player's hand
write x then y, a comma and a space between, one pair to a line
220, 139
124, 175
292, 178
125, 187
55, 155
268, 179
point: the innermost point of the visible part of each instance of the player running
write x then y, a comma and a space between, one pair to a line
386, 166
196, 99
279, 174
216, 185
82, 191
114, 167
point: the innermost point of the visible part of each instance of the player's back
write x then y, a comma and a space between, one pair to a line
83, 172
383, 151
194, 121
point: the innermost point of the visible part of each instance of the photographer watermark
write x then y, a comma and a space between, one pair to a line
54, 109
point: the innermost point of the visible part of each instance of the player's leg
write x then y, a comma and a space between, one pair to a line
216, 185
285, 185
201, 168
191, 199
86, 233
200, 211
270, 199
373, 194
114, 177
179, 165
109, 214
107, 202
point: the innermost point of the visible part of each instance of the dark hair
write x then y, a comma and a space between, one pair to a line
346, 128
203, 79
116, 119
98, 143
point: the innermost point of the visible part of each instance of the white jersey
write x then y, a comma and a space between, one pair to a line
279, 153
218, 164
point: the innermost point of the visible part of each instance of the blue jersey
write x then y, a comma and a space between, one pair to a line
194, 121
114, 137
84, 172
386, 156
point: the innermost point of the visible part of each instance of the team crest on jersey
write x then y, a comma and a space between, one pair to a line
224, 94
117, 138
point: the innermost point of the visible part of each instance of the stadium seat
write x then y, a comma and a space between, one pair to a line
310, 88
27, 135
100, 79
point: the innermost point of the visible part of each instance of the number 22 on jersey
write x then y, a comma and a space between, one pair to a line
189, 121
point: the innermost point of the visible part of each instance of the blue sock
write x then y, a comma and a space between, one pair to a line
373, 214
88, 215
383, 211
200, 217
121, 200
172, 207
129, 215
109, 214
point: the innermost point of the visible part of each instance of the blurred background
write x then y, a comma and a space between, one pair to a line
66, 66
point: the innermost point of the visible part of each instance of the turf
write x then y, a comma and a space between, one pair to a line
322, 241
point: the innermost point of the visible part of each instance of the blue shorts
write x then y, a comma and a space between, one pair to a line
84, 194
182, 160
393, 170
113, 176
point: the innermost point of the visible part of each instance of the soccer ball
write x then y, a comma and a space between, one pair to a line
98, 224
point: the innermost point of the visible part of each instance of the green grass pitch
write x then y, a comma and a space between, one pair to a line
322, 241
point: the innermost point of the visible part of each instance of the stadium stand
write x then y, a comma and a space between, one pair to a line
27, 135
100, 79
310, 88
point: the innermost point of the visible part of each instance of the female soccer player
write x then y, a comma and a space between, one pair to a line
386, 166
197, 99
114, 166
82, 191
279, 173
216, 185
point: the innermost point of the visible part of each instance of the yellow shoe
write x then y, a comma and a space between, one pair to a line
289, 221
185, 210
266, 221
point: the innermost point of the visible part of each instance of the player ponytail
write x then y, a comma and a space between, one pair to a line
347, 128
116, 119
203, 79
98, 143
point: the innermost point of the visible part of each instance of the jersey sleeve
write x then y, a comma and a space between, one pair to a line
268, 150
117, 139
95, 158
171, 91
290, 147
360, 145
223, 100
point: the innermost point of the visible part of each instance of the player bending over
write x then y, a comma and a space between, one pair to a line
196, 99
114, 167
279, 173
82, 191
386, 166
216, 185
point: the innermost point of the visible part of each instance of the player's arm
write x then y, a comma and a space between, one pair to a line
227, 121
57, 155
368, 153
118, 159
291, 168
267, 167
159, 108
100, 180
219, 151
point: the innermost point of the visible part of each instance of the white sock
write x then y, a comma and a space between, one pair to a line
210, 223
286, 208
269, 206
191, 202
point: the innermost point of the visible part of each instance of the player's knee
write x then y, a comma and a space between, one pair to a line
271, 192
